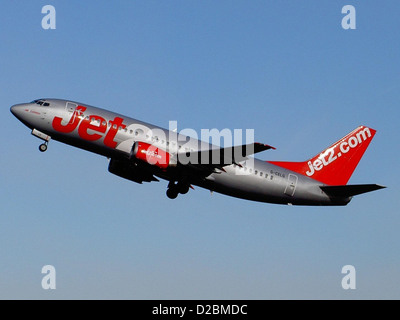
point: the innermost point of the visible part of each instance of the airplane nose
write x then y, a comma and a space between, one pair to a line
17, 110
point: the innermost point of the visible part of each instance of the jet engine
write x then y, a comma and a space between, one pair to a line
151, 154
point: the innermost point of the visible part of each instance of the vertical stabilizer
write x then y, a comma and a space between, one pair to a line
336, 164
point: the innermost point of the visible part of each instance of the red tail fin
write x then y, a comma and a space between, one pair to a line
335, 165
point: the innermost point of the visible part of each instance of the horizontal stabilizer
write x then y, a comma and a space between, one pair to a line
350, 190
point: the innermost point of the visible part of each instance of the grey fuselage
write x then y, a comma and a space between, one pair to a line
251, 179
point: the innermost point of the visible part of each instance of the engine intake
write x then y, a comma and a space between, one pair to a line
151, 154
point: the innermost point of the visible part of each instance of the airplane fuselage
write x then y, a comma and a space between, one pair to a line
113, 135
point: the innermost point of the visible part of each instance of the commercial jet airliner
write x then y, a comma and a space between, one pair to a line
142, 152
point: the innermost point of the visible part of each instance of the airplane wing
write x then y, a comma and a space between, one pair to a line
190, 164
220, 157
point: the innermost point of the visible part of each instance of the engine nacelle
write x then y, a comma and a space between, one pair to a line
130, 171
151, 154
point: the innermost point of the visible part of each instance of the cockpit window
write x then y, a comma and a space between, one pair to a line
41, 102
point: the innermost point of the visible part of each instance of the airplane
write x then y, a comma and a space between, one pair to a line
142, 152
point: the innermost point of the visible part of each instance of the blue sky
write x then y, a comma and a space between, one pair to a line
286, 69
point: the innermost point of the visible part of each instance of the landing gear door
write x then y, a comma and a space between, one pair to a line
291, 185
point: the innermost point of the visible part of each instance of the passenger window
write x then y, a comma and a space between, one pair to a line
255, 172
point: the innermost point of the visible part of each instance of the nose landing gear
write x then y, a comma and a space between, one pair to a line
43, 147
43, 136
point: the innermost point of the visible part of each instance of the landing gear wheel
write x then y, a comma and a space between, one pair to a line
43, 147
183, 188
172, 193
